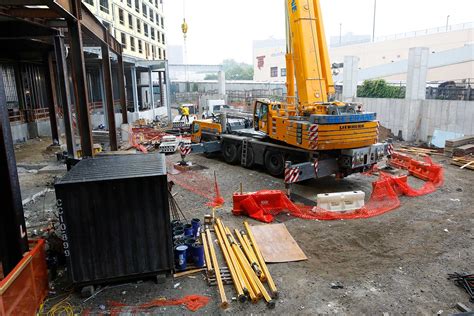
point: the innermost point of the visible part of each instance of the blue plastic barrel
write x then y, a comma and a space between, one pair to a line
188, 230
197, 251
196, 223
180, 256
189, 241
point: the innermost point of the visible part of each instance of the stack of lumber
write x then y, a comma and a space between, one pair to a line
466, 162
418, 151
453, 146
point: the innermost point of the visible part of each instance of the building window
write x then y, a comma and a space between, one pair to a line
153, 52
137, 6
163, 38
158, 35
144, 10
91, 2
104, 5
121, 18
274, 72
129, 3
123, 40
132, 43
152, 16
130, 21
162, 23
140, 48
152, 31
139, 26
147, 49
164, 54
145, 29
157, 19
283, 72
159, 53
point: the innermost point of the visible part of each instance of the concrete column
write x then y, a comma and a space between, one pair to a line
150, 88
134, 89
167, 83
221, 82
102, 96
351, 71
416, 73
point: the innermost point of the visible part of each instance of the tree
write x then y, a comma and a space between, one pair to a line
379, 89
234, 71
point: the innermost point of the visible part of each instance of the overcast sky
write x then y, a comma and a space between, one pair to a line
220, 29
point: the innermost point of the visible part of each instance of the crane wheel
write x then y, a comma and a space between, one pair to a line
230, 153
275, 163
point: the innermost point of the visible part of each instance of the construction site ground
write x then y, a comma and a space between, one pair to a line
394, 263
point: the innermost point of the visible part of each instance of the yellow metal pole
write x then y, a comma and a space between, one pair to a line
224, 303
247, 288
206, 254
252, 260
263, 277
233, 273
242, 260
271, 284
250, 273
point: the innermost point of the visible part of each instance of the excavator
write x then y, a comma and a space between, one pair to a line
308, 136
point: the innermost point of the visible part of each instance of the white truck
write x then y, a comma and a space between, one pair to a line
170, 143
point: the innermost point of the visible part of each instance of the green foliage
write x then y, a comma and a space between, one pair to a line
379, 89
210, 77
237, 71
234, 71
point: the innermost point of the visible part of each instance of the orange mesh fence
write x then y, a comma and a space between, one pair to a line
199, 184
25, 287
264, 205
191, 302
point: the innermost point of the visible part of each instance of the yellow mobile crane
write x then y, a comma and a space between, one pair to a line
309, 136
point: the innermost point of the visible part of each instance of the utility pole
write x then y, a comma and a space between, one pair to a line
373, 25
340, 34
447, 22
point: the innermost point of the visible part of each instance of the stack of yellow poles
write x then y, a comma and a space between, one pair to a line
246, 269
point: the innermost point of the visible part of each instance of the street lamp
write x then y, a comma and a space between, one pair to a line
373, 26
340, 34
447, 22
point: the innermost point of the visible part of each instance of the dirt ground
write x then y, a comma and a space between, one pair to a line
396, 263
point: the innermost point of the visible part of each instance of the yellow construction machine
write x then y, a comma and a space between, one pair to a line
309, 136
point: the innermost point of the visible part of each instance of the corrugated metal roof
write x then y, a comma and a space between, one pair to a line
116, 167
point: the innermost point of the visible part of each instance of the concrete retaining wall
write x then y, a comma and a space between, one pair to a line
417, 119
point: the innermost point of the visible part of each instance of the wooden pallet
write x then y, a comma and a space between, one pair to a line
466, 162
419, 151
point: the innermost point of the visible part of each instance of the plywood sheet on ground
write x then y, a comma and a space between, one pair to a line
276, 243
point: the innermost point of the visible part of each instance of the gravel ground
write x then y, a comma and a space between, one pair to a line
395, 263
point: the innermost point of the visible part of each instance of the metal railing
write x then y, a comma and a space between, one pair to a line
434, 30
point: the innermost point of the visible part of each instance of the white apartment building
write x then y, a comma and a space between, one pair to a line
137, 24
269, 55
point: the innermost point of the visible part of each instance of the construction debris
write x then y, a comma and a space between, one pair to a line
466, 162
465, 281
452, 146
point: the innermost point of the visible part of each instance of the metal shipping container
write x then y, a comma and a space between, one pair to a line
114, 215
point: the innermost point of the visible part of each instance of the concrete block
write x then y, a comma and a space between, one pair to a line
341, 201
351, 69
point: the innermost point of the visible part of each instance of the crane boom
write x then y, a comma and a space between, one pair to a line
309, 51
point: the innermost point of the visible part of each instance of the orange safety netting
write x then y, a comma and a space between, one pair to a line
191, 302
264, 205
199, 184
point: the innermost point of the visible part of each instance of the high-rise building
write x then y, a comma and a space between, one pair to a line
138, 24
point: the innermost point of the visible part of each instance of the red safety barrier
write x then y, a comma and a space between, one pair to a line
264, 205
399, 160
